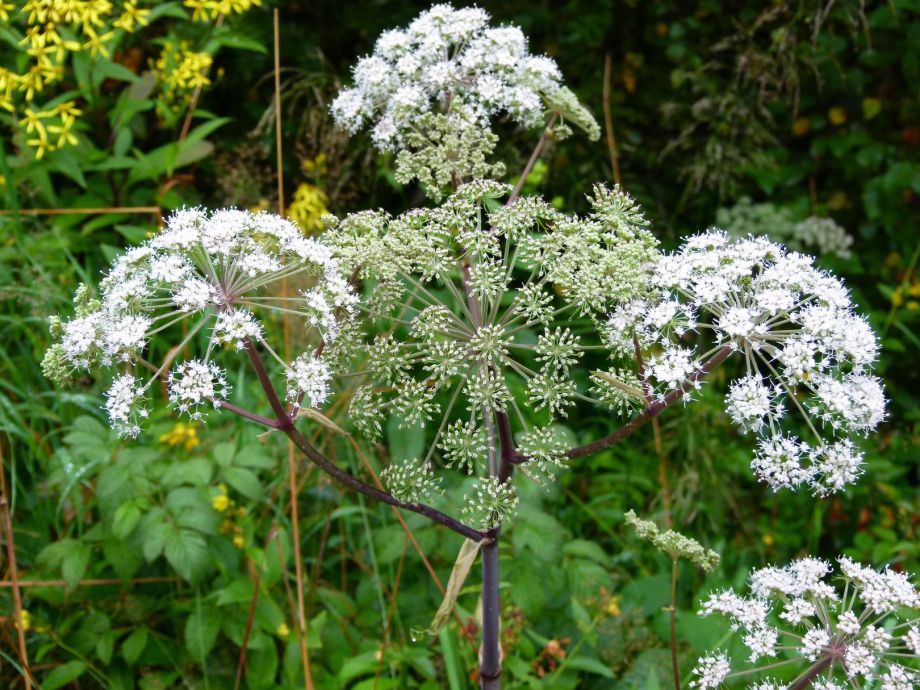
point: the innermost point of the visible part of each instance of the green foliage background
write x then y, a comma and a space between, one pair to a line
813, 111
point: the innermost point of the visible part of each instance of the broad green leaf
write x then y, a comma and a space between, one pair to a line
63, 674
133, 646
244, 481
201, 630
187, 552
261, 667
591, 665
156, 532
105, 645
126, 519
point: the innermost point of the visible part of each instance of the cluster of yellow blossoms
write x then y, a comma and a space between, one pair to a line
50, 31
53, 30
206, 10
185, 435
181, 69
233, 514
309, 203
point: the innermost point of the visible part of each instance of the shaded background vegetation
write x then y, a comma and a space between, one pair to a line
811, 107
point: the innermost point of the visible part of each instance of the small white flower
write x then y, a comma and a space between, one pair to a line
124, 403
308, 378
710, 672
235, 327
194, 384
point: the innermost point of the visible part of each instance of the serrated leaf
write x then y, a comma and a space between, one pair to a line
224, 453
156, 531
244, 481
197, 472
201, 631
187, 552
126, 518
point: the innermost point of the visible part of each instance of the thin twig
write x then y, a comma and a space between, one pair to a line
532, 160
652, 410
155, 210
672, 624
14, 576
608, 119
390, 610
196, 96
98, 582
278, 114
250, 617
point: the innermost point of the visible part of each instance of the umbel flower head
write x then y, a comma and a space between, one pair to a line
805, 351
214, 274
432, 90
469, 301
796, 624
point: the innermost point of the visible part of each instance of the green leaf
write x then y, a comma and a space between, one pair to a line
187, 552
63, 674
124, 558
114, 70
224, 453
255, 457
197, 472
261, 667
71, 556
156, 532
133, 646
201, 630
591, 665
126, 518
244, 481
358, 666
105, 645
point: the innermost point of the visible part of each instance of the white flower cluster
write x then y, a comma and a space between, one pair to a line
813, 234
804, 348
451, 60
867, 634
205, 271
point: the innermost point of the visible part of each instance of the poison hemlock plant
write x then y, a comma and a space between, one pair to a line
477, 316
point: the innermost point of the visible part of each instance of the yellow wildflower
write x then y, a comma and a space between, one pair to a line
5, 8
837, 115
96, 43
182, 434
308, 206
239, 541
283, 630
131, 15
767, 539
220, 503
314, 167
26, 620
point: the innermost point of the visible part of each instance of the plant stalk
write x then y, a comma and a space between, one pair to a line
672, 624
490, 655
